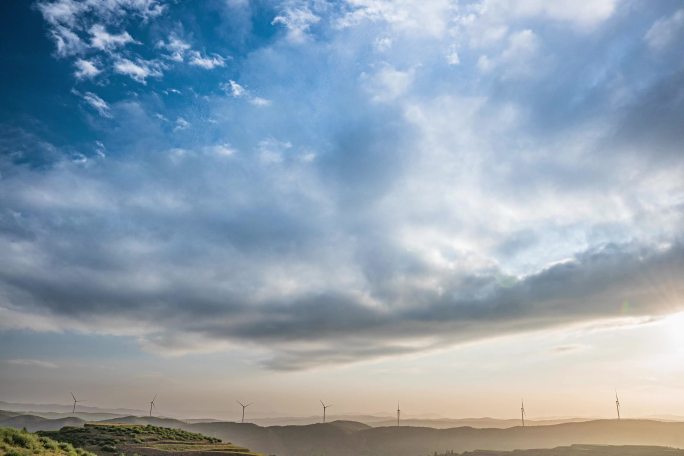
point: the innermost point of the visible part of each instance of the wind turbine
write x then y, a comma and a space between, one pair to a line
152, 404
325, 406
522, 412
617, 405
73, 411
244, 406
398, 414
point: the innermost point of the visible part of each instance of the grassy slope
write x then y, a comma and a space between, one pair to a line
15, 442
110, 438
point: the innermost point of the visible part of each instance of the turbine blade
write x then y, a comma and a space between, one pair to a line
72, 395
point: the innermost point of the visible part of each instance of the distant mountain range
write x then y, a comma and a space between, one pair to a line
584, 450
66, 408
352, 438
97, 414
34, 423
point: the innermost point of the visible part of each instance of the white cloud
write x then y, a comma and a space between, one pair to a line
222, 150
258, 101
665, 30
206, 62
238, 91
308, 156
485, 64
298, 21
271, 150
177, 48
382, 44
516, 60
582, 13
67, 42
139, 70
235, 89
97, 104
521, 45
181, 124
388, 83
32, 363
408, 16
452, 57
105, 41
100, 149
61, 11
68, 12
180, 51
86, 69
68, 18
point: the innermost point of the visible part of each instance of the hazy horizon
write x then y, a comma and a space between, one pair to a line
453, 204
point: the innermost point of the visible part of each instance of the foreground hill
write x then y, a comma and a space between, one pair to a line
333, 439
126, 439
584, 450
17, 442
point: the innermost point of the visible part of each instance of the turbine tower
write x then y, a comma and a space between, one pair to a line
325, 407
73, 411
617, 405
152, 404
522, 412
398, 414
244, 406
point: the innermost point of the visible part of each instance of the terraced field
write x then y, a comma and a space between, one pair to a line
115, 439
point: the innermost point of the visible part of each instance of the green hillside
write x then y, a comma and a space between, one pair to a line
115, 439
15, 442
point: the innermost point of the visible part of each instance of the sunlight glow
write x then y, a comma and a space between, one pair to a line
674, 328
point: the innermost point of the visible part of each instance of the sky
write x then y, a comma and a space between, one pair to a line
455, 204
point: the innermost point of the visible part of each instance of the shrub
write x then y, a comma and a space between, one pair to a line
14, 442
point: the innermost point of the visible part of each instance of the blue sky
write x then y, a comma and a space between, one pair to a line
296, 188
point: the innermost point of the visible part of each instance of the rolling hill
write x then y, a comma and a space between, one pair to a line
38, 423
131, 439
39, 409
336, 440
485, 422
583, 450
153, 420
350, 438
